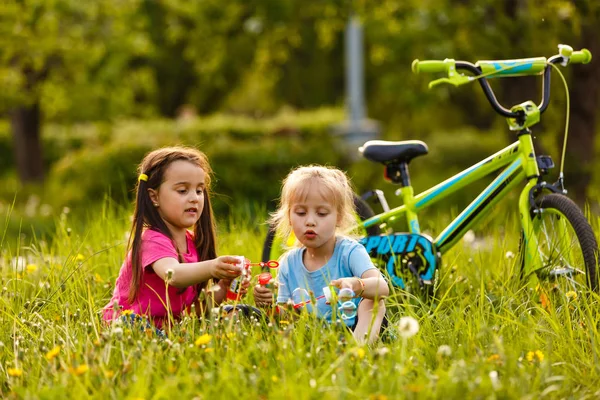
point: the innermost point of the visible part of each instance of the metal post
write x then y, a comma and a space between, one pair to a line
355, 72
358, 128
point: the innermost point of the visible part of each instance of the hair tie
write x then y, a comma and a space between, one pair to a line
143, 177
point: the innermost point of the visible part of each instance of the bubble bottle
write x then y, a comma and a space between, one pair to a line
233, 291
265, 279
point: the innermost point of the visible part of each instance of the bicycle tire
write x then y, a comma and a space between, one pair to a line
564, 267
363, 210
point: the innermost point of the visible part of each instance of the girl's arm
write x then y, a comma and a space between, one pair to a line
188, 274
374, 284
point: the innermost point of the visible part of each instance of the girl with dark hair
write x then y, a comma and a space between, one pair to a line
167, 265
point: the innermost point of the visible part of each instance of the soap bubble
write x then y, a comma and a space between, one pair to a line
345, 294
348, 310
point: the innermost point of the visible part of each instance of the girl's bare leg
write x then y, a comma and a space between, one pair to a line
365, 318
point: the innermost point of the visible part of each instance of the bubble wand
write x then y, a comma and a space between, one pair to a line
233, 291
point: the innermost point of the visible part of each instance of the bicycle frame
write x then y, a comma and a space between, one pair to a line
517, 162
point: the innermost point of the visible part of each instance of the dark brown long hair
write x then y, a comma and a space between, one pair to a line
146, 215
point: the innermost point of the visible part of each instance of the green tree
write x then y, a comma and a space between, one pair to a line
63, 56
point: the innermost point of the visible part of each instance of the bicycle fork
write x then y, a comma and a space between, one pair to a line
531, 256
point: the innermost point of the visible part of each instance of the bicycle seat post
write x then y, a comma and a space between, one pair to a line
398, 173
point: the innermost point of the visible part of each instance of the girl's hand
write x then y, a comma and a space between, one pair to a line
343, 283
225, 267
349, 283
263, 297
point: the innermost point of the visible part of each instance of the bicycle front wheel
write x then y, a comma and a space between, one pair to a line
566, 245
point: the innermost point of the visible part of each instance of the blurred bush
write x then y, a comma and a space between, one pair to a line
249, 156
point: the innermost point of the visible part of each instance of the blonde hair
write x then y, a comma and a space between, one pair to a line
333, 185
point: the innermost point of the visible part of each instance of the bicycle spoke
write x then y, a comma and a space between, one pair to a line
558, 252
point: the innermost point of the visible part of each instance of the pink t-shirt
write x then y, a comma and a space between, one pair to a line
151, 299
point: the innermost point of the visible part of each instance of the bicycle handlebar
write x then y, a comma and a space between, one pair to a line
582, 56
430, 66
502, 68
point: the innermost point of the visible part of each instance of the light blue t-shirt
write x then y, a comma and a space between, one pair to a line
349, 259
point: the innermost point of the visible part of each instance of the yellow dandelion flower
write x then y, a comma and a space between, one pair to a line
80, 257
209, 350
284, 322
126, 312
52, 353
493, 358
274, 379
109, 374
204, 339
79, 370
530, 355
360, 352
539, 355
535, 356
14, 371
571, 295
31, 268
545, 301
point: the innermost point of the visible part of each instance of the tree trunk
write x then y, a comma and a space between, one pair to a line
25, 124
585, 95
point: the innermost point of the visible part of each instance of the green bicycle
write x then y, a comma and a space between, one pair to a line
557, 243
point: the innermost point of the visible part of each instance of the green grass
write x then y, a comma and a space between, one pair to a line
485, 336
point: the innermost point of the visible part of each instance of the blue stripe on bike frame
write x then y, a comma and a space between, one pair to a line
483, 197
372, 222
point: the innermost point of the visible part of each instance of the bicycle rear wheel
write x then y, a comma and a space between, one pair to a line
273, 247
566, 244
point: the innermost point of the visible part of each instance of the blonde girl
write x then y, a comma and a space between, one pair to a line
317, 206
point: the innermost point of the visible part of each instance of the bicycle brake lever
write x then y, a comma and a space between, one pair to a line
455, 80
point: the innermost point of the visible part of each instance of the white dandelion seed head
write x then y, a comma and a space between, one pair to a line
382, 351
408, 327
495, 380
444, 351
509, 255
469, 237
